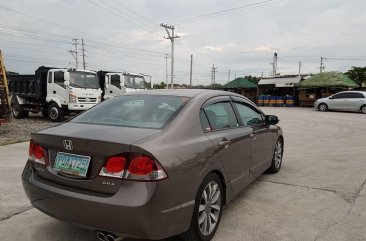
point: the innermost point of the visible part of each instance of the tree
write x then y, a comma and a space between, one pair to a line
162, 85
11, 73
357, 74
253, 79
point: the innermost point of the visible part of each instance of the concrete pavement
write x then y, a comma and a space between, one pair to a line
319, 194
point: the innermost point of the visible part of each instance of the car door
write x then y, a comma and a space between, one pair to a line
230, 140
355, 101
262, 139
338, 101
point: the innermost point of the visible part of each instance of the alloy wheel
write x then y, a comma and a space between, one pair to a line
363, 109
209, 208
278, 154
322, 107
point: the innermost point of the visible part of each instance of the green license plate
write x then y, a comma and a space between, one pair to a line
72, 164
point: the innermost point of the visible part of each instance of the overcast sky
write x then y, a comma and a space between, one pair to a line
236, 35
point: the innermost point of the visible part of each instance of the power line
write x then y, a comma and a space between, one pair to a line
74, 52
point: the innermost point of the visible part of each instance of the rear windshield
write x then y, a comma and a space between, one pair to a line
144, 111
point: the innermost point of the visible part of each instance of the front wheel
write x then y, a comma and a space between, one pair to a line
55, 113
207, 211
277, 157
323, 107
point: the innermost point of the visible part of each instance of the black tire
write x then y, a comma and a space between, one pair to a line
55, 113
19, 112
363, 109
323, 107
277, 157
194, 233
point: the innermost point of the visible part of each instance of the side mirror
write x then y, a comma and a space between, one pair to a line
66, 83
272, 119
331, 98
67, 76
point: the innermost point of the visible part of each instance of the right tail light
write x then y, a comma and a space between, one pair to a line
136, 167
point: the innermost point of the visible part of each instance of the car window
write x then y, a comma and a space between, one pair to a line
145, 111
340, 96
58, 77
355, 95
248, 115
221, 115
204, 121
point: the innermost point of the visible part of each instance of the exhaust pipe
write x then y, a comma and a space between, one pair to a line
104, 236
112, 237
101, 236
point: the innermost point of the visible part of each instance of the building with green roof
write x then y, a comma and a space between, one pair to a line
242, 86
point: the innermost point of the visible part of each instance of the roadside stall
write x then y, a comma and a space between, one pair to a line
243, 87
323, 85
279, 91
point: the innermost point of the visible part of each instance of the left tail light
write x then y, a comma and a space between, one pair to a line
133, 167
37, 153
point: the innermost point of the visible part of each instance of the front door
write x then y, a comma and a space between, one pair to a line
338, 101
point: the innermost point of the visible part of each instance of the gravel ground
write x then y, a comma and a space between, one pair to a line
18, 130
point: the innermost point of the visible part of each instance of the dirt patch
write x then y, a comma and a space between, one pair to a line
19, 130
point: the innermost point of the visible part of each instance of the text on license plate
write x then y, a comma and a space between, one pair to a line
72, 164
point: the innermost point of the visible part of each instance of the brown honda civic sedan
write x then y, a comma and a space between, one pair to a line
152, 164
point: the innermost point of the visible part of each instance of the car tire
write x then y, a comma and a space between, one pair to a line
207, 210
55, 113
323, 107
19, 112
277, 157
363, 109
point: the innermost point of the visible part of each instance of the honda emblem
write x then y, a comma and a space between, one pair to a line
68, 145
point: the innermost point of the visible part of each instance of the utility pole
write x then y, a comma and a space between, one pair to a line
171, 36
190, 72
166, 56
74, 53
228, 77
83, 52
322, 67
274, 65
213, 69
299, 68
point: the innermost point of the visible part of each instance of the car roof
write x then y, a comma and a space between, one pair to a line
353, 91
185, 92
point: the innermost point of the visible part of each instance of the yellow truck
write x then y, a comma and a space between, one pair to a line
5, 107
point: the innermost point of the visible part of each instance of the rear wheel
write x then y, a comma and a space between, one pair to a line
19, 112
277, 157
55, 113
363, 109
207, 211
323, 107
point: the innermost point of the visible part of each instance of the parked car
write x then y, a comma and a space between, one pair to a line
343, 101
152, 164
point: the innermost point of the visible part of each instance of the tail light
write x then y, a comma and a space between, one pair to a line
133, 167
37, 153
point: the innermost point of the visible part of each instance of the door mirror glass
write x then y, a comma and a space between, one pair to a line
67, 77
272, 119
66, 83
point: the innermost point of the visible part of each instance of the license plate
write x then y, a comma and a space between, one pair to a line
72, 164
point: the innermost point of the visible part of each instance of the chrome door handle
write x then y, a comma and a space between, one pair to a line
224, 143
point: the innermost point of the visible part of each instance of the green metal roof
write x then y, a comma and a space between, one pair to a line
240, 83
328, 80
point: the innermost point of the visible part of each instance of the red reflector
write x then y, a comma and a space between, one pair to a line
31, 148
141, 165
38, 151
115, 164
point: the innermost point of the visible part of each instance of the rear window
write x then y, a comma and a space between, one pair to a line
143, 111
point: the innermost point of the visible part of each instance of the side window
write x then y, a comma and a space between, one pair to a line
58, 78
356, 96
248, 115
340, 96
204, 122
116, 80
221, 115
49, 77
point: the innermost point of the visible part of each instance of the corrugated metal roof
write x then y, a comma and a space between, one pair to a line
280, 81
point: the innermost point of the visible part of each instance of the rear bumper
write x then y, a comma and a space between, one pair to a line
137, 210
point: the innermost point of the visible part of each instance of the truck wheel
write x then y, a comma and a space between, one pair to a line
55, 113
19, 112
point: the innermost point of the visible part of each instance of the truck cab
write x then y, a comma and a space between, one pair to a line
118, 83
55, 92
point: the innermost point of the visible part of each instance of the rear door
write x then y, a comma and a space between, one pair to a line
262, 139
231, 140
355, 101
